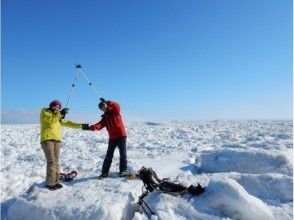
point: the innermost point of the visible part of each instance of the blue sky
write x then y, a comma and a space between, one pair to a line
161, 60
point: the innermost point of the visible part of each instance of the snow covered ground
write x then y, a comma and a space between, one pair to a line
246, 167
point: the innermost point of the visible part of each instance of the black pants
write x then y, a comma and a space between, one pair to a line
121, 143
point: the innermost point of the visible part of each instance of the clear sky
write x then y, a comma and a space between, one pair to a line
161, 60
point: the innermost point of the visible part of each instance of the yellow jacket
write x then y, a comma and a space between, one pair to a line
51, 125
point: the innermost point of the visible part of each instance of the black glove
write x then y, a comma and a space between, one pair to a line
63, 112
85, 127
102, 100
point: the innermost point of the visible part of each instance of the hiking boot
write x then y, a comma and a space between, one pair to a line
58, 186
103, 175
51, 187
122, 174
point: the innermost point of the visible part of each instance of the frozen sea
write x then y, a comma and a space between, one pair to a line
246, 167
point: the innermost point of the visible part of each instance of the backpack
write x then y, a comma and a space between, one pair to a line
152, 182
149, 178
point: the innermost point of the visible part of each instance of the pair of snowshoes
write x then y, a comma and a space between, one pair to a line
67, 177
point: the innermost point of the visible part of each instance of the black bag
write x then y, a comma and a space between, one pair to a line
172, 188
149, 178
152, 182
196, 190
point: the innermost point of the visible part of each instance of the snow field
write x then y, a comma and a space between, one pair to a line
246, 167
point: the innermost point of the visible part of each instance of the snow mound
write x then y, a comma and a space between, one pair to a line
223, 198
169, 207
253, 162
268, 186
227, 197
80, 199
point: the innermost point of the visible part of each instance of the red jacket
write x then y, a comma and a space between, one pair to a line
112, 120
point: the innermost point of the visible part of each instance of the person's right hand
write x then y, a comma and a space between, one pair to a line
63, 112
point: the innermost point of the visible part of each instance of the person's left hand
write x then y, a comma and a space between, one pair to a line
85, 127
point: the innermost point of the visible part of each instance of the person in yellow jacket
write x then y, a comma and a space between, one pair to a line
51, 121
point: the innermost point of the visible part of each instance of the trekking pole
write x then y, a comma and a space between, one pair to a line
79, 67
145, 211
72, 86
149, 213
152, 213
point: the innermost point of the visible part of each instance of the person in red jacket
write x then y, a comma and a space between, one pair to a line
112, 120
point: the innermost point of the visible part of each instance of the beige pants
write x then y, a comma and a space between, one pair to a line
51, 150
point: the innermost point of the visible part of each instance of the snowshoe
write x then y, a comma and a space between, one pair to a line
68, 176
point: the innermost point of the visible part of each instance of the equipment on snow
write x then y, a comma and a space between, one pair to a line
153, 183
68, 176
145, 206
132, 176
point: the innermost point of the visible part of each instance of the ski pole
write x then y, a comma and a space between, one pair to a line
141, 202
79, 67
72, 86
152, 213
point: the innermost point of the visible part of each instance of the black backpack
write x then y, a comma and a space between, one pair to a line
149, 178
152, 182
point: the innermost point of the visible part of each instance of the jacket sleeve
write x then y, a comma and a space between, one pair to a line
98, 126
67, 123
113, 107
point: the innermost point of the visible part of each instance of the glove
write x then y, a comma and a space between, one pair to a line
85, 127
63, 112
102, 100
